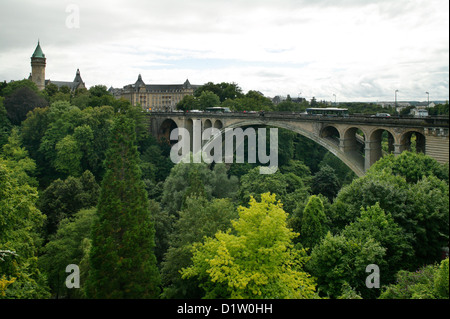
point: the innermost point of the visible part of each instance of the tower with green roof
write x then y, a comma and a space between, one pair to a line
38, 67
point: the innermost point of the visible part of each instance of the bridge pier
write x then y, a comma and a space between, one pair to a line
372, 153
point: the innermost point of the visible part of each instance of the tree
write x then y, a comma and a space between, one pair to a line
255, 259
427, 282
325, 182
32, 131
225, 91
177, 183
16, 157
64, 198
253, 184
68, 156
313, 224
187, 103
421, 209
375, 223
343, 173
20, 102
412, 166
15, 85
339, 261
67, 246
198, 218
222, 185
20, 223
122, 259
441, 284
5, 124
208, 99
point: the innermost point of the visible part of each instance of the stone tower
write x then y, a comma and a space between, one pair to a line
38, 67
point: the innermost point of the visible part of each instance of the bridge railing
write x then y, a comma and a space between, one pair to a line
441, 121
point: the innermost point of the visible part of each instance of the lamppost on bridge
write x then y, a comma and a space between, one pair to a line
396, 100
428, 105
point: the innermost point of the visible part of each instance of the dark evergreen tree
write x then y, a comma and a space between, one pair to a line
313, 227
122, 260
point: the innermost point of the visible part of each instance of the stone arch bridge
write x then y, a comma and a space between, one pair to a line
356, 140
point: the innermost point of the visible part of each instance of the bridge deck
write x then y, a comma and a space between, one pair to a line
433, 121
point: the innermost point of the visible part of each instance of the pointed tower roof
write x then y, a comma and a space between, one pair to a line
187, 84
78, 77
38, 52
139, 83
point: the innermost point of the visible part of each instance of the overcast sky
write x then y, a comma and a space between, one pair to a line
348, 50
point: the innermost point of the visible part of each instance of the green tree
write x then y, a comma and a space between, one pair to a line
20, 102
427, 282
256, 259
343, 173
15, 85
339, 261
313, 224
225, 91
441, 280
420, 209
20, 224
375, 223
198, 218
63, 198
208, 99
253, 184
325, 182
65, 247
187, 103
68, 156
412, 166
17, 158
222, 185
122, 258
32, 131
5, 124
177, 183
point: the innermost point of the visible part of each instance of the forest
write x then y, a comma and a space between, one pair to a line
82, 182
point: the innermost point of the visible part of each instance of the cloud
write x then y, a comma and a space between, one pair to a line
356, 49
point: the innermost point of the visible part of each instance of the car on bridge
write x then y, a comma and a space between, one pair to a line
382, 115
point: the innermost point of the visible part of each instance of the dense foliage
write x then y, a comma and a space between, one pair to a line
82, 182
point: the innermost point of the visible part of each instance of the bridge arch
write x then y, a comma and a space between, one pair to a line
358, 168
385, 138
410, 136
207, 124
331, 133
165, 128
218, 124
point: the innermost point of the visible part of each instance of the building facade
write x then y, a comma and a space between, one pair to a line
154, 97
37, 75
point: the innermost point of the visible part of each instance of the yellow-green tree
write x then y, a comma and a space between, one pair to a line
255, 259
